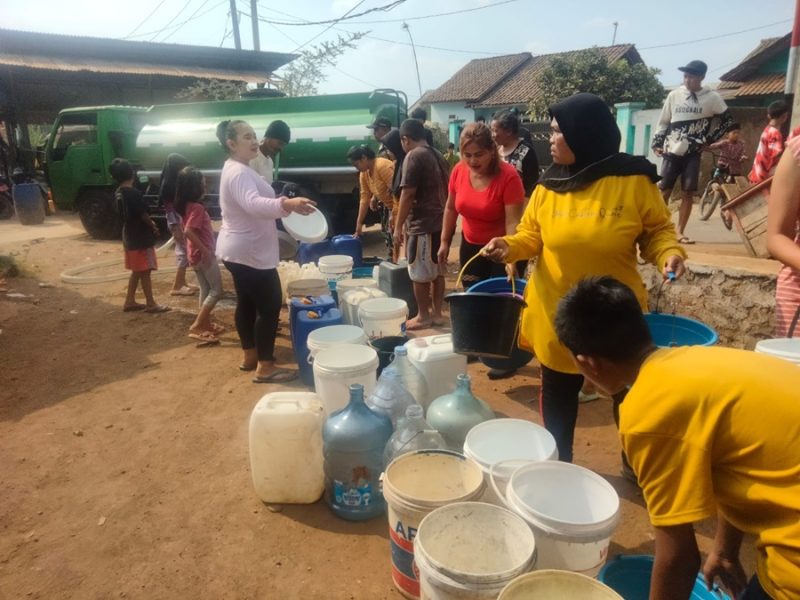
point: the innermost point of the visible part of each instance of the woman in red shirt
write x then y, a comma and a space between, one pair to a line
488, 195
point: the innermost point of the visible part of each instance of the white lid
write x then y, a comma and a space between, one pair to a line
350, 284
387, 308
307, 228
498, 440
785, 348
340, 358
289, 402
358, 295
431, 348
335, 261
335, 334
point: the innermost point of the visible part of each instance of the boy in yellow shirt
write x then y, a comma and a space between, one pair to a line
708, 431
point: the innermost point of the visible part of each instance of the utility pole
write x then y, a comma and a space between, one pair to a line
614, 37
254, 18
235, 21
414, 50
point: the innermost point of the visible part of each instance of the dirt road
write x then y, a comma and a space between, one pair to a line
124, 453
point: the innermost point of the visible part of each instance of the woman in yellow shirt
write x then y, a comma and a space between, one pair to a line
374, 180
591, 210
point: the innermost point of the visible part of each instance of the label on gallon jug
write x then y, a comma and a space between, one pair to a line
352, 495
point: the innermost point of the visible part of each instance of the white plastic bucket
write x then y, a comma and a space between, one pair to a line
331, 335
572, 511
500, 446
335, 268
415, 484
353, 284
433, 355
471, 550
350, 300
383, 317
338, 366
785, 348
557, 585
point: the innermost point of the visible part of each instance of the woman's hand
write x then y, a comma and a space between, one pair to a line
674, 267
496, 250
729, 571
299, 205
444, 252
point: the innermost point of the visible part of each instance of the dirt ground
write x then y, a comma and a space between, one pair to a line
124, 452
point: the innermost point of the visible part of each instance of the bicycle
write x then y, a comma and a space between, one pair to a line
713, 195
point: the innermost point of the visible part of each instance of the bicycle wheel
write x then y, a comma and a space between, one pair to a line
709, 200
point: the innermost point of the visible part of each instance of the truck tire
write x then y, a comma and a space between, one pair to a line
98, 212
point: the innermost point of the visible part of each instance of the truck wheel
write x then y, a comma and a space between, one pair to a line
98, 213
6, 206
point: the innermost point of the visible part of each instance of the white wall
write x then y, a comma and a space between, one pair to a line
441, 113
645, 123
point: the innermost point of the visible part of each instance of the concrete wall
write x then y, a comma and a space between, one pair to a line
738, 303
441, 113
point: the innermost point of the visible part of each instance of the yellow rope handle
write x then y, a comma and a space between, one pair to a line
466, 264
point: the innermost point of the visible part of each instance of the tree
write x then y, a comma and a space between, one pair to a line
590, 71
212, 89
302, 76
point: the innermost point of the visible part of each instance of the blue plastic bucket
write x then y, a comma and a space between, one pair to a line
500, 285
629, 576
28, 203
672, 330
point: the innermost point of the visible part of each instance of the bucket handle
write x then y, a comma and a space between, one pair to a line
466, 264
674, 305
793, 325
516, 461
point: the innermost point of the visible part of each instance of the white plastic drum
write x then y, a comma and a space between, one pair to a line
785, 348
325, 337
383, 317
338, 366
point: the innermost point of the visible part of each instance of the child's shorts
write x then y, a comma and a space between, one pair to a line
140, 261
421, 250
180, 255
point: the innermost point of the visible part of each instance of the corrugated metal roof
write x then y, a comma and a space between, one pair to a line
477, 78
523, 85
762, 86
767, 49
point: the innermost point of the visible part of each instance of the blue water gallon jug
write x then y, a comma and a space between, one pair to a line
310, 253
315, 303
349, 245
306, 322
28, 203
353, 440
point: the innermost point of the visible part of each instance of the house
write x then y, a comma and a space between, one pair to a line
42, 73
760, 78
486, 86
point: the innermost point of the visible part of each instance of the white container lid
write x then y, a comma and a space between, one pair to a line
383, 308
501, 440
431, 348
335, 334
307, 228
352, 284
335, 261
785, 348
343, 358
358, 295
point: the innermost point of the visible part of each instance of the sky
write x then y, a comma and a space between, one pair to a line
667, 34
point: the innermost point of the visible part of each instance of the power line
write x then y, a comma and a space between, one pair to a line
172, 20
716, 37
174, 31
444, 14
384, 8
359, 3
142, 22
225, 31
202, 14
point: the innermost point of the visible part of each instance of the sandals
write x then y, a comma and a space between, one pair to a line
133, 307
685, 240
277, 376
184, 291
157, 308
205, 338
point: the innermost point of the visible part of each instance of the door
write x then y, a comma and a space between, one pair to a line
75, 158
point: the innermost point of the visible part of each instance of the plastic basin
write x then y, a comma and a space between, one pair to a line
673, 330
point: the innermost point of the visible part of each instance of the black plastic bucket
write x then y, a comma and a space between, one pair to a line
385, 348
485, 325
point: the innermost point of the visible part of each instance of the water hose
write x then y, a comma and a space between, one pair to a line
75, 274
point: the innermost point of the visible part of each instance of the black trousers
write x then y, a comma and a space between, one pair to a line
258, 307
754, 591
479, 269
558, 405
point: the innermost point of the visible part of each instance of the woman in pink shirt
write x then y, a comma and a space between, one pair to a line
248, 247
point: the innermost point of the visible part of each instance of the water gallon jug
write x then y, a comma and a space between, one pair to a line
395, 281
454, 414
434, 357
350, 300
390, 398
335, 267
383, 317
410, 376
29, 203
412, 433
308, 321
316, 303
286, 448
349, 245
353, 443
311, 253
336, 367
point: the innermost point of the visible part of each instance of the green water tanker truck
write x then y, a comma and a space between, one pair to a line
84, 141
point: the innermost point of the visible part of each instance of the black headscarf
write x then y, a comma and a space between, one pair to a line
592, 134
169, 178
391, 142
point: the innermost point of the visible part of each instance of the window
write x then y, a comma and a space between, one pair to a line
76, 129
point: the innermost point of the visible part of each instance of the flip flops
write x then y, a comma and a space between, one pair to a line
133, 307
157, 308
685, 240
277, 376
184, 291
205, 338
